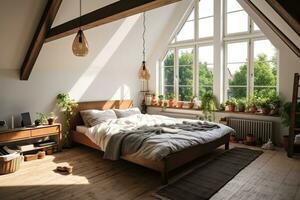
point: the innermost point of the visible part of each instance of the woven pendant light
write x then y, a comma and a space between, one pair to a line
144, 73
80, 45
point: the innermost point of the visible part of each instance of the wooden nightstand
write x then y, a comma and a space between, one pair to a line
23, 134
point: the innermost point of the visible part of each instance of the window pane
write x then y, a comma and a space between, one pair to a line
206, 27
169, 75
265, 65
186, 32
192, 15
237, 22
185, 75
233, 5
255, 27
237, 92
205, 69
185, 92
237, 52
168, 90
206, 8
169, 59
185, 56
264, 91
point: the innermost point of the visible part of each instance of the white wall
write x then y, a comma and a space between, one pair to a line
108, 72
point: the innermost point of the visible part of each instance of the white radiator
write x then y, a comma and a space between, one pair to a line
262, 130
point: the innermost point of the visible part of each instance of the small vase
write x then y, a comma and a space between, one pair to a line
50, 121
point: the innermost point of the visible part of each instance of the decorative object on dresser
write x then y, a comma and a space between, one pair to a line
3, 125
67, 106
26, 120
19, 135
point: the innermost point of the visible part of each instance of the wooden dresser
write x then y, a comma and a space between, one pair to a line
22, 134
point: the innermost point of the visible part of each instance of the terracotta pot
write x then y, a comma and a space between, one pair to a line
250, 139
230, 108
191, 105
253, 109
285, 142
171, 103
180, 104
265, 111
160, 103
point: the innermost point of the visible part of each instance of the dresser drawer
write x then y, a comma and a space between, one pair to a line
14, 135
44, 131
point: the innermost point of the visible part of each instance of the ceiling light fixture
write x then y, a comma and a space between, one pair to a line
80, 45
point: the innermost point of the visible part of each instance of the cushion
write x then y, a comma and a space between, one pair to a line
94, 117
127, 112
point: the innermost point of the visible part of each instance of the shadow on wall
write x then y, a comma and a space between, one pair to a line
111, 73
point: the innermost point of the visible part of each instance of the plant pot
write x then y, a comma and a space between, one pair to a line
180, 104
37, 122
230, 108
160, 103
191, 105
253, 109
50, 121
274, 111
285, 142
250, 139
265, 111
171, 103
233, 139
241, 108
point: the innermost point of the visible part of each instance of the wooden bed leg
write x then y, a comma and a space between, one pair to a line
226, 145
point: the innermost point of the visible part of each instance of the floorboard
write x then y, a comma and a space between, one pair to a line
272, 176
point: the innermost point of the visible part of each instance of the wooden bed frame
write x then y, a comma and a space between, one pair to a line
163, 166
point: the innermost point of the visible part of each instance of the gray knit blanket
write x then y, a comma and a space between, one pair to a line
129, 142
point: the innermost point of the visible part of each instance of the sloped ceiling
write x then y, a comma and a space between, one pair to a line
18, 21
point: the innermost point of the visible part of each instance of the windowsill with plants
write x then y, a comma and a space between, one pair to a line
262, 106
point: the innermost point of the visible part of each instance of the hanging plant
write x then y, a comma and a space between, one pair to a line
67, 107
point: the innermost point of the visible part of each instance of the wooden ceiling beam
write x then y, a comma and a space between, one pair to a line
39, 38
104, 15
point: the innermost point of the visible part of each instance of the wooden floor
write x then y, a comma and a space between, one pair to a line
271, 176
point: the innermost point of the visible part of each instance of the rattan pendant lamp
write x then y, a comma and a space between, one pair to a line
144, 73
80, 45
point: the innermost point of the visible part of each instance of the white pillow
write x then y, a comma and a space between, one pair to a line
127, 112
94, 117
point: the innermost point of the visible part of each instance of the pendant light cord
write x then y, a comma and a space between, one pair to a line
80, 14
144, 31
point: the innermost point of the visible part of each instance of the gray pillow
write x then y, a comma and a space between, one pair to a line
94, 117
127, 112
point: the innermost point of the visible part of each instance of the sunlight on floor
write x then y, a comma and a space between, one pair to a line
103, 57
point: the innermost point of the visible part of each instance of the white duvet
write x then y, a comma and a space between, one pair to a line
162, 144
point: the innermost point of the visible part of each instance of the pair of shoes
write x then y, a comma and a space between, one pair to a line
67, 169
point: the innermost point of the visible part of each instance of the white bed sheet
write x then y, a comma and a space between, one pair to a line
82, 129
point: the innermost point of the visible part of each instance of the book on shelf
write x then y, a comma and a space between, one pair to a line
25, 147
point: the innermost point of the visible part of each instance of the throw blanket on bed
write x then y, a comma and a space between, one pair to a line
129, 142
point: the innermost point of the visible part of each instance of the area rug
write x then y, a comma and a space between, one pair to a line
206, 180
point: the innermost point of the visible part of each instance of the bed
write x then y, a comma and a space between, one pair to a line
165, 165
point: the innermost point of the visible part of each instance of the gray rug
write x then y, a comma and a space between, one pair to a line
208, 179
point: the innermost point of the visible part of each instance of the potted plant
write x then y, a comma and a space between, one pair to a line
191, 103
51, 118
165, 104
153, 101
275, 104
264, 105
41, 118
222, 107
67, 107
231, 104
233, 138
180, 103
285, 114
208, 105
241, 105
251, 105
171, 100
160, 100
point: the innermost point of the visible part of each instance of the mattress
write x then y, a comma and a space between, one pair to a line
82, 129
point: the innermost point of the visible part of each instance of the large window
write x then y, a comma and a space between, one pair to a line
246, 57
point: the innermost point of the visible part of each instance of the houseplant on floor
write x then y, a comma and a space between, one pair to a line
67, 107
208, 105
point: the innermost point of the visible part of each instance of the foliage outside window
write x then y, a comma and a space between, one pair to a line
250, 60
